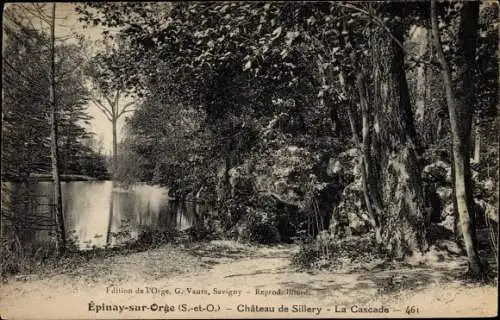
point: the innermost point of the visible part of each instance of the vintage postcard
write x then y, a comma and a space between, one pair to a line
206, 160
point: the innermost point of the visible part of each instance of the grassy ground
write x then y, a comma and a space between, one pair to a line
224, 265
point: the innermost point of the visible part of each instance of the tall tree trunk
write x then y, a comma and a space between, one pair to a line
114, 122
396, 175
110, 217
61, 232
460, 109
370, 193
439, 129
390, 166
477, 143
420, 37
337, 216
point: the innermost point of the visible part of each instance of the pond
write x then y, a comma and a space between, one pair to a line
96, 213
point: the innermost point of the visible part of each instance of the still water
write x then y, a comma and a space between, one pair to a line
95, 212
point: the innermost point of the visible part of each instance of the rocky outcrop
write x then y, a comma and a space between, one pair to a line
348, 217
270, 191
287, 174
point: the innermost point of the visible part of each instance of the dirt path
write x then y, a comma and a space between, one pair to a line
236, 279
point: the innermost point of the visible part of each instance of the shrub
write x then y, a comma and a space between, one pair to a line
263, 232
354, 249
307, 255
153, 238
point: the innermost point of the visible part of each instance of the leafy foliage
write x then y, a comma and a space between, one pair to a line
231, 88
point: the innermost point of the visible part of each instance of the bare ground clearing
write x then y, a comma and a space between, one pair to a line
229, 265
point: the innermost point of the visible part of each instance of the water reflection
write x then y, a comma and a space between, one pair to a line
96, 213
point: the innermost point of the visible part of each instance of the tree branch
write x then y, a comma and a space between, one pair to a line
125, 108
102, 108
375, 18
379, 22
112, 106
37, 13
117, 98
30, 81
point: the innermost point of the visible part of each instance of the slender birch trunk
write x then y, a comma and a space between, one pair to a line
460, 113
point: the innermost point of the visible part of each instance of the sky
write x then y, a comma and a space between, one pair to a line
67, 25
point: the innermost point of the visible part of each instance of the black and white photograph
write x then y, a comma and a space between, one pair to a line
240, 159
